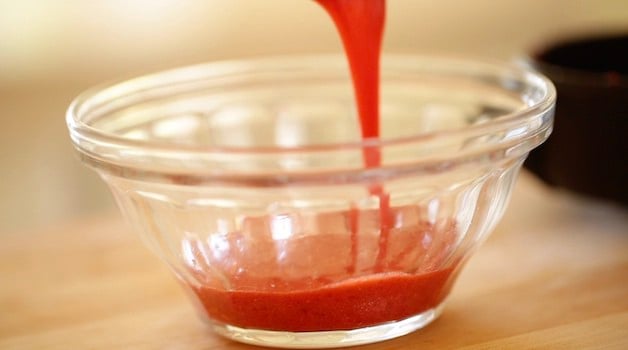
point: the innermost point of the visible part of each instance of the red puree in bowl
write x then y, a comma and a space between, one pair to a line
356, 303
310, 282
401, 281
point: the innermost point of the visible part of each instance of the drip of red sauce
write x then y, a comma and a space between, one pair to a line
382, 293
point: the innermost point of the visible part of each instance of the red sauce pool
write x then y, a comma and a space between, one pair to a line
360, 24
341, 300
318, 284
352, 304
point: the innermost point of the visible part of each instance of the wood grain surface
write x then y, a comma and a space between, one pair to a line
554, 275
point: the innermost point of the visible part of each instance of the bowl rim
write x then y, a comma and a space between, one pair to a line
84, 136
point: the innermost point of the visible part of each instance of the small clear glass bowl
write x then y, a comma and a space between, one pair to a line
247, 178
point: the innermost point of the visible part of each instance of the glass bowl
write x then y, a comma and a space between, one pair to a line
247, 178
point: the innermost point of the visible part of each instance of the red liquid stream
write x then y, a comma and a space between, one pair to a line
361, 27
351, 303
360, 24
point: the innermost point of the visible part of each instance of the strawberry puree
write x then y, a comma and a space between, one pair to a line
323, 281
351, 304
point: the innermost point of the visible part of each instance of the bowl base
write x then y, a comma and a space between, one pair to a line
328, 339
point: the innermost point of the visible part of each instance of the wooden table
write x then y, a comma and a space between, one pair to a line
553, 275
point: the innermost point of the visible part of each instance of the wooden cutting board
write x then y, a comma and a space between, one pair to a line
554, 275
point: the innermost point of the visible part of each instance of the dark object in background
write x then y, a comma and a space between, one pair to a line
588, 150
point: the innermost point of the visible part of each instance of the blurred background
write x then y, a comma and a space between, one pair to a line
51, 50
